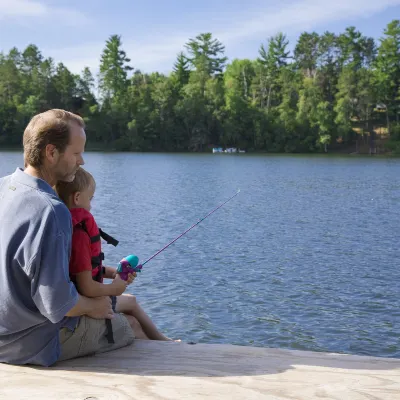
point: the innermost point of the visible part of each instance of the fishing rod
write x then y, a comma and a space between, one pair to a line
130, 263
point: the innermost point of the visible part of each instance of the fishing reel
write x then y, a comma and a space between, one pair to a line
128, 265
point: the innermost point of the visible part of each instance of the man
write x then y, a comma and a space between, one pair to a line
43, 319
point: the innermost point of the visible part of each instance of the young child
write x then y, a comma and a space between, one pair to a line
86, 268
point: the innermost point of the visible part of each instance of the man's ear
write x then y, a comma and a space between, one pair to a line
51, 154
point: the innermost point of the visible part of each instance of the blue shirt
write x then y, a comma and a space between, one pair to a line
35, 288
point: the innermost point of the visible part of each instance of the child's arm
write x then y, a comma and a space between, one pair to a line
90, 288
81, 268
110, 272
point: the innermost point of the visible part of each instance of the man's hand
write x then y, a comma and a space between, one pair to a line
100, 308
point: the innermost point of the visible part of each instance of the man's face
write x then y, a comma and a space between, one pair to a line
69, 161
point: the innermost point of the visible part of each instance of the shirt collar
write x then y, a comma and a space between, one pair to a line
36, 183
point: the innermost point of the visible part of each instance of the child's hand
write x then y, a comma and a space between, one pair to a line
119, 285
131, 278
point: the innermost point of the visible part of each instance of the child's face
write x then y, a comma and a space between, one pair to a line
83, 199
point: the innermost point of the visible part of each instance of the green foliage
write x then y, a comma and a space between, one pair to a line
331, 89
113, 68
387, 70
205, 53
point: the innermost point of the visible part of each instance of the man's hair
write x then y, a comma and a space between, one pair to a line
83, 180
49, 127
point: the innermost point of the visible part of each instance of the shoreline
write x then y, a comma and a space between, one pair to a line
96, 149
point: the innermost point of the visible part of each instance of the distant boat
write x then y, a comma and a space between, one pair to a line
227, 150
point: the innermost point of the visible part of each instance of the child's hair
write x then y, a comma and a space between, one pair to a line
83, 180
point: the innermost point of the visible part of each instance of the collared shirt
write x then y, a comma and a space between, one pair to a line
35, 289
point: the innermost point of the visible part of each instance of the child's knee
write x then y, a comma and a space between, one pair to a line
132, 300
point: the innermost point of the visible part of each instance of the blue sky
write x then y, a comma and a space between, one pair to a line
154, 31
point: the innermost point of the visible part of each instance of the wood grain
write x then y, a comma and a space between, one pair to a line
164, 370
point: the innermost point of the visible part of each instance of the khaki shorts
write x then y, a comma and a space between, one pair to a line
89, 337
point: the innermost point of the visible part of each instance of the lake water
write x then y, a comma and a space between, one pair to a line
305, 257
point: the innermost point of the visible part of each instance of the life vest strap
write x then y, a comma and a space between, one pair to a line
96, 260
93, 239
109, 239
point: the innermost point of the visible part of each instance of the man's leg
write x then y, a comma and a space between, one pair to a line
128, 305
89, 337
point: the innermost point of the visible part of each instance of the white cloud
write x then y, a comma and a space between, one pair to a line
301, 15
157, 53
22, 9
148, 56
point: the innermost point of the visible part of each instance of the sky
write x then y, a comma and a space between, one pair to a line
153, 32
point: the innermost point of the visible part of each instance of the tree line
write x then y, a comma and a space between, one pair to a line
334, 91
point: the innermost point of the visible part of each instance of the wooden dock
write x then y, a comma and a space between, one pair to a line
167, 370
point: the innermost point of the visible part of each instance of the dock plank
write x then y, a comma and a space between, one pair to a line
167, 370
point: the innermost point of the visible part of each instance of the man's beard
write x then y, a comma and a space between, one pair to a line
67, 177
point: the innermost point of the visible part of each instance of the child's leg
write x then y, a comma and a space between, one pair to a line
127, 304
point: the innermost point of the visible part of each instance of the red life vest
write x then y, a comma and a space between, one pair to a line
83, 219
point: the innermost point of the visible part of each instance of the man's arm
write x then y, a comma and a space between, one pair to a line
98, 308
51, 289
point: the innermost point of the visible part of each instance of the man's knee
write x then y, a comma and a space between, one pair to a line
89, 337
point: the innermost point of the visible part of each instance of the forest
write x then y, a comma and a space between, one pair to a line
332, 93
